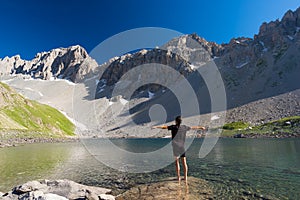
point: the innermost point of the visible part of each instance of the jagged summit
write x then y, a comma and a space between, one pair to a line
68, 63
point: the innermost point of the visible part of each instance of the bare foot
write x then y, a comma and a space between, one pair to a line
186, 181
179, 180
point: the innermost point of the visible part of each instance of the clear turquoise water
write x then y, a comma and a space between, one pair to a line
263, 166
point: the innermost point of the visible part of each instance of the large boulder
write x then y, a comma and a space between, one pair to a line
170, 189
57, 190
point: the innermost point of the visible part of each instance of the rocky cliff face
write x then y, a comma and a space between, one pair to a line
66, 63
252, 69
124, 63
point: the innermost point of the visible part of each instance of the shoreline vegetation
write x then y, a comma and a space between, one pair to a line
288, 127
26, 121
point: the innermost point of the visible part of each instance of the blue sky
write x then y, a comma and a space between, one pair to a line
28, 27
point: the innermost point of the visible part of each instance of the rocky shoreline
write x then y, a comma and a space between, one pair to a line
70, 190
13, 142
166, 189
16, 141
268, 135
20, 141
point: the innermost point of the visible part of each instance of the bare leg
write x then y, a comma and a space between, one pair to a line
177, 168
185, 168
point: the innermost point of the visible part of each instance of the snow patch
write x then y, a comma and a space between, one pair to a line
30, 89
123, 101
67, 81
215, 117
101, 90
27, 88
265, 49
290, 37
78, 124
7, 81
241, 65
262, 43
117, 99
150, 94
124, 57
143, 51
192, 67
54, 79
91, 78
103, 81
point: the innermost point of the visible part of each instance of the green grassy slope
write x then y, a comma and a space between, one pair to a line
287, 125
30, 117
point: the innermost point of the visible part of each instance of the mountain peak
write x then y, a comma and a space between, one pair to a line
287, 25
56, 63
291, 15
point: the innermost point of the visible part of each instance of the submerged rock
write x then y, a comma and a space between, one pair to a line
170, 189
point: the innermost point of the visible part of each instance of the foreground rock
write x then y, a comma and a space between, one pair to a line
57, 190
170, 189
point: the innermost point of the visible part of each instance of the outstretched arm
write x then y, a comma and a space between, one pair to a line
198, 127
161, 127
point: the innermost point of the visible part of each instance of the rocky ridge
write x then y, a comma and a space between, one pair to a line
65, 63
268, 60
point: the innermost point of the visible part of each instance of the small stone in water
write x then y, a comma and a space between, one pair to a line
248, 193
240, 180
259, 196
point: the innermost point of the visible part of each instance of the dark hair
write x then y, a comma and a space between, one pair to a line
178, 120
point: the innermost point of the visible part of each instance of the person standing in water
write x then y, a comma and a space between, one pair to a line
178, 139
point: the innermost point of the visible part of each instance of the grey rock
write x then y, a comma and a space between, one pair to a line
197, 189
58, 190
28, 187
54, 197
106, 197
